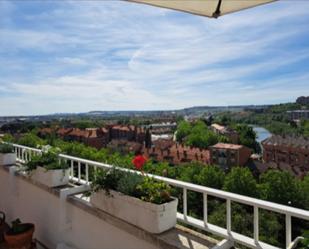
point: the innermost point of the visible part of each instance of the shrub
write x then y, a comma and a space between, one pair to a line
153, 191
47, 160
6, 148
30, 140
144, 188
127, 184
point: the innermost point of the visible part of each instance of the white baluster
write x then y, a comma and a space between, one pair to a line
185, 207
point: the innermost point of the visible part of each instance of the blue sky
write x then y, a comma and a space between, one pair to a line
76, 56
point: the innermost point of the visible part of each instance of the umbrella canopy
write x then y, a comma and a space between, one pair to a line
210, 8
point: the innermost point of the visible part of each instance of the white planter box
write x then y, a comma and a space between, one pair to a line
148, 216
51, 178
7, 159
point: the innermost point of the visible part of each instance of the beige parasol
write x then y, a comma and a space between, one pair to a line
209, 8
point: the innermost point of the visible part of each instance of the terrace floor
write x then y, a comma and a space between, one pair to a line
77, 208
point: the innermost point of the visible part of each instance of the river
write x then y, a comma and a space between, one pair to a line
261, 132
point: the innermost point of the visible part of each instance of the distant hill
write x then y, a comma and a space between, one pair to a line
191, 111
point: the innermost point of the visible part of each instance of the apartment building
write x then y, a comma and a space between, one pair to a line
99, 137
94, 137
231, 134
129, 133
175, 154
287, 153
229, 155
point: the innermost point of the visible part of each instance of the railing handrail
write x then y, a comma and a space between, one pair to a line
289, 212
26, 147
295, 212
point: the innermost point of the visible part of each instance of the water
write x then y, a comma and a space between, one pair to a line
262, 133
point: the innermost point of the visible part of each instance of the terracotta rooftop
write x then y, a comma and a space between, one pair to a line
177, 153
287, 141
218, 127
227, 146
63, 131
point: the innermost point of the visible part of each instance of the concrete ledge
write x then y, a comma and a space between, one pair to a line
176, 238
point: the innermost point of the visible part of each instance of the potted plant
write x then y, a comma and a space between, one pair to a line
7, 155
48, 170
19, 235
139, 200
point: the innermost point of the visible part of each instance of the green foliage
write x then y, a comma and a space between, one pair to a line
271, 228
197, 135
283, 108
242, 222
127, 184
247, 136
144, 188
18, 227
275, 119
106, 180
8, 138
183, 130
281, 187
225, 119
153, 191
201, 136
304, 244
241, 181
6, 148
305, 128
161, 168
20, 127
189, 172
30, 140
305, 189
211, 176
48, 160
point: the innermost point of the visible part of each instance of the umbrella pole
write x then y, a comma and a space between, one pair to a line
217, 13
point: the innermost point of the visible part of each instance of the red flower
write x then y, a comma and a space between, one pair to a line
139, 161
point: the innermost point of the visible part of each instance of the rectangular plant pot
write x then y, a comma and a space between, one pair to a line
51, 178
151, 217
7, 159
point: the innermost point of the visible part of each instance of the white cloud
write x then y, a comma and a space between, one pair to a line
71, 57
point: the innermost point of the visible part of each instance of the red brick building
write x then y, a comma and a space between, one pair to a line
229, 155
99, 137
62, 132
95, 137
174, 153
124, 146
129, 133
44, 132
287, 153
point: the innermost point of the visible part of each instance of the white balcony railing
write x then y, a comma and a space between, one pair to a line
81, 176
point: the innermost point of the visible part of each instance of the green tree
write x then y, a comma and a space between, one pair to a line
183, 130
305, 189
281, 187
31, 140
201, 137
305, 128
8, 138
241, 181
211, 176
247, 136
